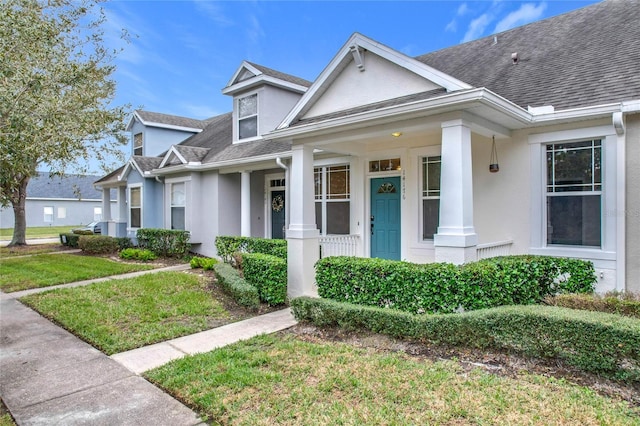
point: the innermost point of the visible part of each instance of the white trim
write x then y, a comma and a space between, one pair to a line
93, 200
259, 94
267, 206
174, 151
234, 86
129, 187
137, 117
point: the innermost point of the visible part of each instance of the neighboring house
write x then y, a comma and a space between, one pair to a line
59, 201
385, 155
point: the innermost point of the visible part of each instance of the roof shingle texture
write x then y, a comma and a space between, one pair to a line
172, 120
282, 76
69, 186
590, 56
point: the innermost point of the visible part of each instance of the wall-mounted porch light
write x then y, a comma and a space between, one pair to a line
396, 134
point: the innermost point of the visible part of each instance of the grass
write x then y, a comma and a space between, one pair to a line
45, 270
38, 231
119, 315
279, 379
27, 250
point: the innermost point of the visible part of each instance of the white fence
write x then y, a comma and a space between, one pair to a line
339, 245
499, 248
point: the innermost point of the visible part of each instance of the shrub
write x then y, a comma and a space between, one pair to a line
164, 242
97, 244
626, 304
202, 262
231, 282
597, 342
268, 274
142, 255
69, 240
124, 243
227, 246
82, 232
443, 288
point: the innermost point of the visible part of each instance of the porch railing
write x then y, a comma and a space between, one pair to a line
498, 248
339, 245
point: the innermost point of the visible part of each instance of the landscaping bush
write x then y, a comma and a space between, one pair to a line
627, 304
227, 246
97, 244
164, 242
597, 342
444, 288
268, 274
124, 243
69, 240
142, 255
231, 282
205, 263
82, 232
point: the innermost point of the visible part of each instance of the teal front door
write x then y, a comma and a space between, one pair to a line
385, 218
277, 214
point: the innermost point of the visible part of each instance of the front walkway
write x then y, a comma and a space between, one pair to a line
48, 376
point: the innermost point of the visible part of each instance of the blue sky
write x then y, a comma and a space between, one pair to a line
184, 52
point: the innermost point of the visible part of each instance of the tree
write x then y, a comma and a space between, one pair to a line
56, 88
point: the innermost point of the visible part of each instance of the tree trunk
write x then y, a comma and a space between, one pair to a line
20, 219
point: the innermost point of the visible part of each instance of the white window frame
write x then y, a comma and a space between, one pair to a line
129, 207
47, 217
538, 145
256, 115
422, 197
141, 146
97, 214
183, 205
323, 198
62, 212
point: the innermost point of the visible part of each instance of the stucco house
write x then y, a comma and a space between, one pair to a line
54, 200
386, 155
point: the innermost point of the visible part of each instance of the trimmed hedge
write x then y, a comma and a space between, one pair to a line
202, 262
143, 255
597, 342
231, 282
626, 304
97, 244
69, 239
268, 274
124, 243
228, 246
444, 288
164, 242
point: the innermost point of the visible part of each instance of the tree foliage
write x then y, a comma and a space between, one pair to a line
56, 90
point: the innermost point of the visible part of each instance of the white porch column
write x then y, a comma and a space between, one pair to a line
302, 235
106, 204
122, 204
456, 239
245, 203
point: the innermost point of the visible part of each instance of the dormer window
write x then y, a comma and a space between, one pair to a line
137, 144
248, 117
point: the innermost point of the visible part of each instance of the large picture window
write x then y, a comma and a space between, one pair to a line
135, 207
248, 117
178, 203
574, 193
430, 196
333, 205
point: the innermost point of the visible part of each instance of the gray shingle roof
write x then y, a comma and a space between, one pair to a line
173, 120
589, 56
249, 149
281, 75
146, 164
111, 177
192, 153
69, 186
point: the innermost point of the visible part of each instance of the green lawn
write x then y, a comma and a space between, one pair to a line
27, 250
45, 270
38, 231
279, 379
119, 315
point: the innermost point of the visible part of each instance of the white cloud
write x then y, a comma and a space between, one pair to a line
214, 12
528, 12
452, 26
477, 26
198, 111
462, 9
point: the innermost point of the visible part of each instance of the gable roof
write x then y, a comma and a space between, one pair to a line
158, 119
589, 56
250, 75
42, 185
281, 75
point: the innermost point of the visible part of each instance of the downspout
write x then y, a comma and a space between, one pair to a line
286, 193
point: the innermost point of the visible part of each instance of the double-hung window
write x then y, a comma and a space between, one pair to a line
332, 194
48, 214
137, 144
135, 207
248, 117
178, 203
574, 193
430, 195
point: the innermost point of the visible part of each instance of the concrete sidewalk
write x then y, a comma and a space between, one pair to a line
48, 376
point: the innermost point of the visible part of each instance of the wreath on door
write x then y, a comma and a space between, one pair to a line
277, 203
